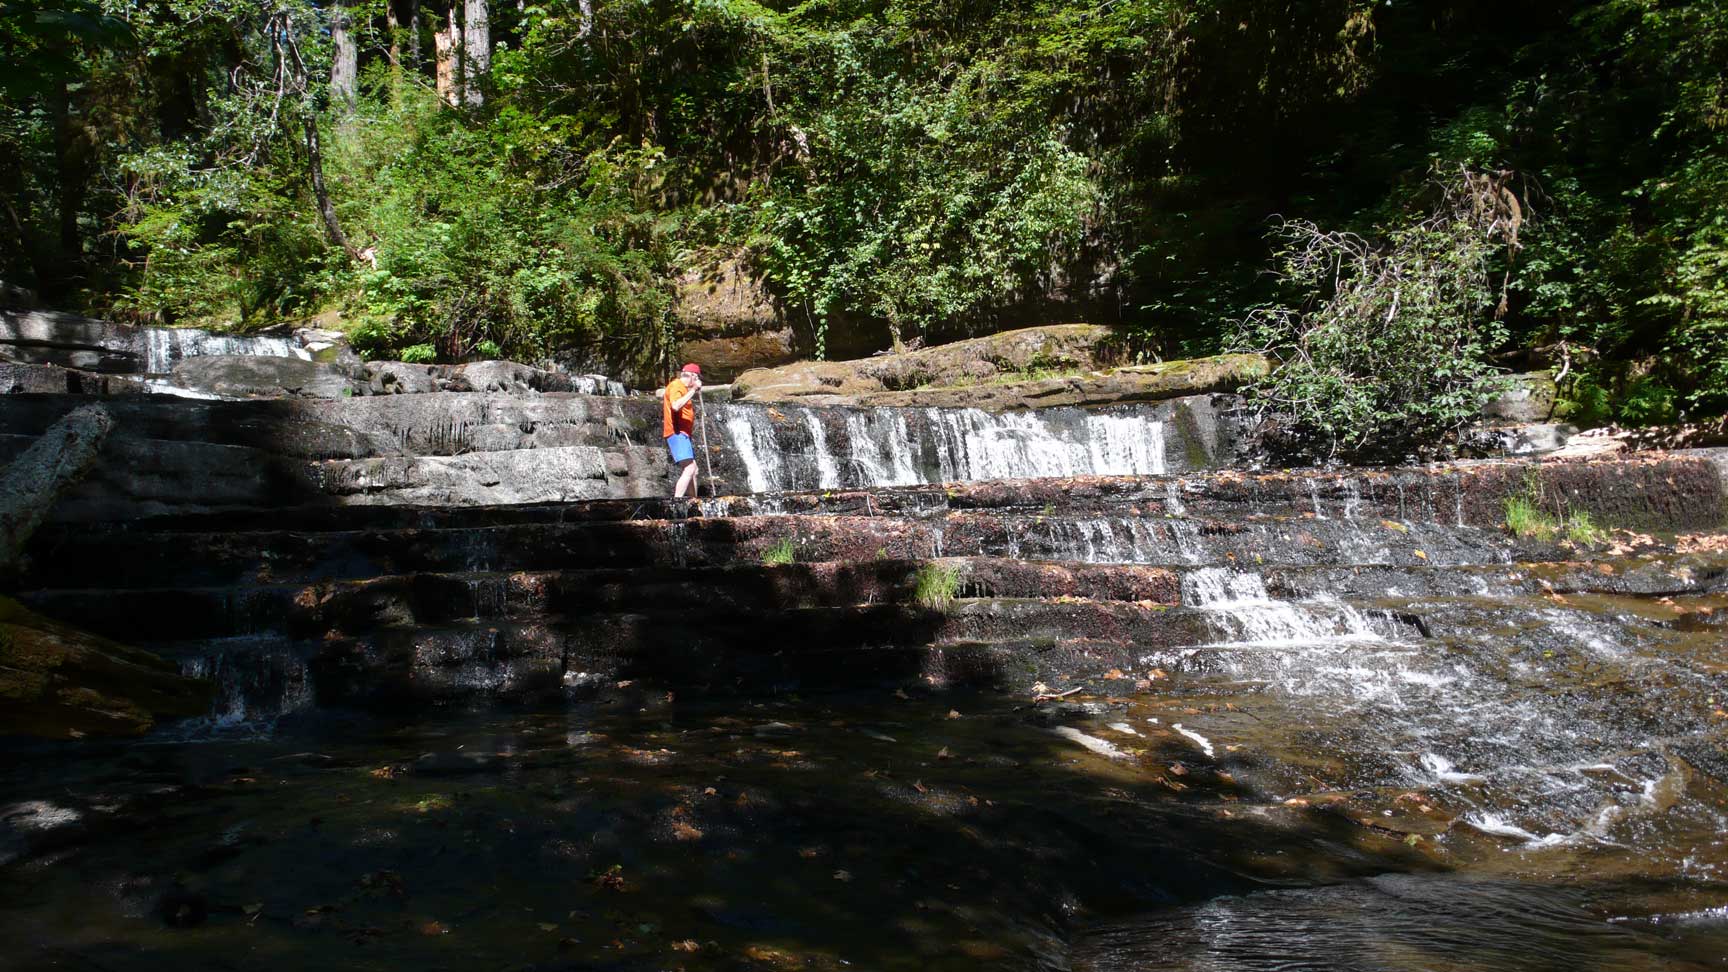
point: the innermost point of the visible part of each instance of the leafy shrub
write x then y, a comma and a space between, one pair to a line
1394, 352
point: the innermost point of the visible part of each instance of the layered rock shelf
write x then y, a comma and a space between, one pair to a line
1052, 580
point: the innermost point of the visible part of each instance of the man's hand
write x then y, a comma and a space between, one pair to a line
693, 382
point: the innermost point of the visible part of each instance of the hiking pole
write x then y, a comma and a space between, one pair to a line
707, 457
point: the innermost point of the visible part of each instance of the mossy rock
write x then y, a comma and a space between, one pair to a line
58, 682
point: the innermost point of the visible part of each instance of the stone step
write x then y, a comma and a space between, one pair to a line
352, 607
1003, 643
121, 558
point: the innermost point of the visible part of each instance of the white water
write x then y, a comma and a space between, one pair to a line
1092, 743
165, 345
789, 447
1198, 740
256, 682
1242, 612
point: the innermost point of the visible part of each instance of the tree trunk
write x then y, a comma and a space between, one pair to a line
476, 51
414, 33
345, 60
446, 42
69, 147
315, 162
393, 27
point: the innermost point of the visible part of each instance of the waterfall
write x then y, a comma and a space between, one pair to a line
165, 345
748, 432
790, 447
827, 474
880, 447
598, 385
1125, 445
257, 680
1241, 611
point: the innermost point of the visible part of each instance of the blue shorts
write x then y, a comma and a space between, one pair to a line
679, 444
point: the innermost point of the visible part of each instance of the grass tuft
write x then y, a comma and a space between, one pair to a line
1525, 519
1582, 531
936, 584
783, 552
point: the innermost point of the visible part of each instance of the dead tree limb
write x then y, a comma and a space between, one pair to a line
52, 465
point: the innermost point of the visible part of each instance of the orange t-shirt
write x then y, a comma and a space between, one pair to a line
684, 420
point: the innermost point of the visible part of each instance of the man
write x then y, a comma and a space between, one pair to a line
678, 423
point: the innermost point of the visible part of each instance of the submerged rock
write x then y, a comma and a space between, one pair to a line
61, 683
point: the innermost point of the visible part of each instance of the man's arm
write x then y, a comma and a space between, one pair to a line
681, 402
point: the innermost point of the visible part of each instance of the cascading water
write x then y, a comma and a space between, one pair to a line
790, 447
1240, 609
256, 680
163, 346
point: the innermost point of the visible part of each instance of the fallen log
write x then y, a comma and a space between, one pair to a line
52, 465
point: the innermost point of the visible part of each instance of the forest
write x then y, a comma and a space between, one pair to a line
481, 178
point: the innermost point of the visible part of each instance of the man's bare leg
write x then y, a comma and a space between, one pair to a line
685, 480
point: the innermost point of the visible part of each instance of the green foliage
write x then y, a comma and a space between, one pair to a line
936, 584
1396, 350
783, 551
908, 169
483, 251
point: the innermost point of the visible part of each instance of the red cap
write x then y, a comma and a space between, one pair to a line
691, 367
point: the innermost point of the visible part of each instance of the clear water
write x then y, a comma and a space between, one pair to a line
880, 831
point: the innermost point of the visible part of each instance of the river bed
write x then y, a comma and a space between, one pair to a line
881, 830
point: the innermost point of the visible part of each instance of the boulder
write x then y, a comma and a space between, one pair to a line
1143, 383
331, 348
400, 378
256, 376
31, 483
725, 318
1527, 398
61, 683
997, 373
1056, 347
507, 377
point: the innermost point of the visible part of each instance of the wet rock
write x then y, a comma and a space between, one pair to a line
61, 683
454, 764
257, 376
46, 379
1518, 440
